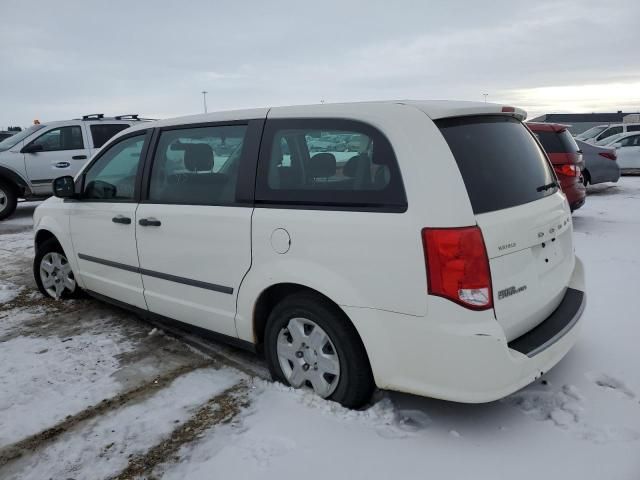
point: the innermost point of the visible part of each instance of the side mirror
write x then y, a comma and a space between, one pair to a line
32, 148
617, 145
64, 187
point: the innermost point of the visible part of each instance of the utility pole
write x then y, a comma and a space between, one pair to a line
204, 99
485, 95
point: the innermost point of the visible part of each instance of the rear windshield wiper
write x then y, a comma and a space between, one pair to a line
546, 187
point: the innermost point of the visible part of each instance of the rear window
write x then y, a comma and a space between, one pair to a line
103, 132
501, 163
557, 142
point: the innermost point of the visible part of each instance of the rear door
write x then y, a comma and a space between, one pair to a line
194, 228
524, 218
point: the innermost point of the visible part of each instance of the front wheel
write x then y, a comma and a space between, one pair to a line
53, 273
8, 200
309, 342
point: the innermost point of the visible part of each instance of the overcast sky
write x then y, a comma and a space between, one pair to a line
63, 59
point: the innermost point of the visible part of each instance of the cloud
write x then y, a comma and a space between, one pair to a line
63, 60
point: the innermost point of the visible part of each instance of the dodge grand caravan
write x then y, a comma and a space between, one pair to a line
434, 257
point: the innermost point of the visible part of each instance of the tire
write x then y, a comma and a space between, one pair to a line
354, 384
61, 274
586, 178
8, 199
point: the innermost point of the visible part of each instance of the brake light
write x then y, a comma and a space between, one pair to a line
508, 109
608, 155
458, 266
567, 170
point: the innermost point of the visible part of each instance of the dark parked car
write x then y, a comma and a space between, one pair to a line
566, 157
600, 163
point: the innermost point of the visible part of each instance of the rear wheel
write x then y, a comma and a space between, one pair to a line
8, 199
53, 273
586, 178
310, 343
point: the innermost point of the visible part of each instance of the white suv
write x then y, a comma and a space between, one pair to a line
596, 135
433, 256
32, 158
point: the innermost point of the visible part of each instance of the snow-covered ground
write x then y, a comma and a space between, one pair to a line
174, 413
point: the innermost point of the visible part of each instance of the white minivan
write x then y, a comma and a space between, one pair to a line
418, 246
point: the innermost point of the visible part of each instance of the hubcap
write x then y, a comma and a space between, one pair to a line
308, 357
56, 274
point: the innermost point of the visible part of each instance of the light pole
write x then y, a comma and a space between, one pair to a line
485, 95
204, 99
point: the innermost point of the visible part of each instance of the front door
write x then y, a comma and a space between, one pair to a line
63, 152
193, 232
629, 152
102, 222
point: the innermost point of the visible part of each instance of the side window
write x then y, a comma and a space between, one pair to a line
328, 163
633, 128
197, 166
63, 138
113, 175
610, 131
632, 141
104, 131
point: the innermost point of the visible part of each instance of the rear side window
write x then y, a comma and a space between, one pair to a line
557, 142
103, 132
610, 131
633, 128
328, 163
501, 163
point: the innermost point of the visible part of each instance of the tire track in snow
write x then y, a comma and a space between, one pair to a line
218, 410
39, 440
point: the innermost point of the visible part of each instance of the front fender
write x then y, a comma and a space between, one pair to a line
53, 219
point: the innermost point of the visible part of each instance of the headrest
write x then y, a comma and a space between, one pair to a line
352, 166
322, 165
198, 157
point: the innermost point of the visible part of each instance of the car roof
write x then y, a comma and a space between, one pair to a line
435, 109
76, 120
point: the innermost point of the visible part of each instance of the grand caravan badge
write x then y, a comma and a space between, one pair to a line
507, 292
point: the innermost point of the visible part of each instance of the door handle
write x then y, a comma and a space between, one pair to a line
149, 222
121, 219
79, 157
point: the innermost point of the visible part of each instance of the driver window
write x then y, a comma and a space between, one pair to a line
113, 176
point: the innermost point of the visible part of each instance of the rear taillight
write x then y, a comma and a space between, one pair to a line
608, 155
567, 170
458, 266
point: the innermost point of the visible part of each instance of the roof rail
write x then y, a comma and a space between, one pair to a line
93, 116
132, 116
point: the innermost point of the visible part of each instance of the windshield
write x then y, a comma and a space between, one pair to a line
592, 132
13, 140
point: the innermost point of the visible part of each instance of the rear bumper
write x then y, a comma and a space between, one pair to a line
464, 356
575, 191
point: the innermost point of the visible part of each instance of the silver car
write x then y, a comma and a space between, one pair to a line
600, 163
